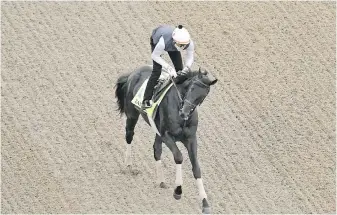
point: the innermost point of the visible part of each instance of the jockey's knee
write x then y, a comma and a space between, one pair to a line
155, 75
178, 68
156, 68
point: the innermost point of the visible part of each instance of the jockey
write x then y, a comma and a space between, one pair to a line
171, 40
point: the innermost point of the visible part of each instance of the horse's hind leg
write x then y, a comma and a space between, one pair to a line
157, 150
129, 132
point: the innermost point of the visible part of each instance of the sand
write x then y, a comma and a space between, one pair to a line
266, 130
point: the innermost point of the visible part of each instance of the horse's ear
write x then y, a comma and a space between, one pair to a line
212, 79
199, 73
213, 82
202, 72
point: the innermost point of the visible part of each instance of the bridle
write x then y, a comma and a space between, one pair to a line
184, 100
192, 105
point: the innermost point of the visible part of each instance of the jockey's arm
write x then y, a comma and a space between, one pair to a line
189, 55
158, 50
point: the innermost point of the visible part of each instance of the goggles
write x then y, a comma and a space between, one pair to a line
182, 46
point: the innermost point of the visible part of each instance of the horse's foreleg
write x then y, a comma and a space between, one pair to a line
178, 158
157, 149
191, 145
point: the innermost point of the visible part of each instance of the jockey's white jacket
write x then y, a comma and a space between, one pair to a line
159, 49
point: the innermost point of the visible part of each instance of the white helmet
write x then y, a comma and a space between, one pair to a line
181, 36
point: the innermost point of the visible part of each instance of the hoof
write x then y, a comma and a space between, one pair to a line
206, 210
177, 193
135, 172
205, 207
176, 196
163, 185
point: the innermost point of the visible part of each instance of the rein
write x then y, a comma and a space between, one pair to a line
179, 95
181, 100
185, 100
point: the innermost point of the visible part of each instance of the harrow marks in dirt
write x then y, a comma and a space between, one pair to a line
266, 133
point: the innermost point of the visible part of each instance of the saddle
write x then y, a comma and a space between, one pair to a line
160, 90
160, 87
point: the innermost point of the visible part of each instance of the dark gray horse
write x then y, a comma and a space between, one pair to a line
176, 120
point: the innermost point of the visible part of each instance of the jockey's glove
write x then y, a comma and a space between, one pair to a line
185, 70
171, 71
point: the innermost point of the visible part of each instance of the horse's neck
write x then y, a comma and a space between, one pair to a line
177, 93
183, 87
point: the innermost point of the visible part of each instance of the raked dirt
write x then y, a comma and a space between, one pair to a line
266, 130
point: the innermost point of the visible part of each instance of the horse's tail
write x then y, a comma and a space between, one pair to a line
120, 92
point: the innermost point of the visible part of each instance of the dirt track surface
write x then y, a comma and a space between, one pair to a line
266, 131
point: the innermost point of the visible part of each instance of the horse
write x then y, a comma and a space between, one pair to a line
176, 120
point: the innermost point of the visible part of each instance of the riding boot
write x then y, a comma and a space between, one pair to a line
147, 101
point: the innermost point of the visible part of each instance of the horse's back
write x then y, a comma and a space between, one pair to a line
137, 77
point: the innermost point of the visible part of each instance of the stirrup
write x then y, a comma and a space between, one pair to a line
147, 104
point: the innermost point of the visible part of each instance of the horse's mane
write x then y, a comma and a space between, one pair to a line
192, 74
187, 78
